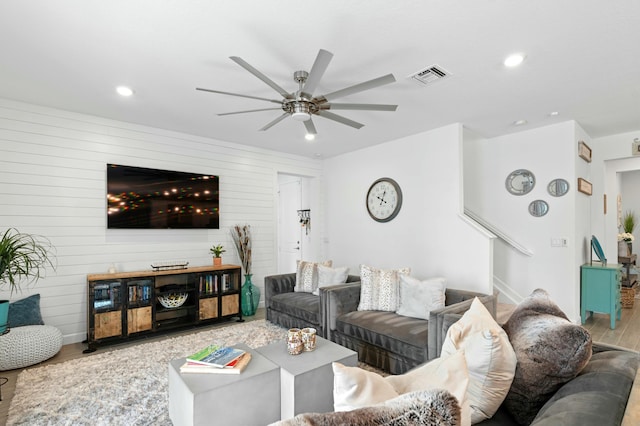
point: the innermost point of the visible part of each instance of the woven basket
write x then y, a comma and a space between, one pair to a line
627, 296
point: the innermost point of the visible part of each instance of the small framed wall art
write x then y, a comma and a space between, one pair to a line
584, 151
585, 186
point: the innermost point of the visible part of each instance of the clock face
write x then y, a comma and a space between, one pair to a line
384, 200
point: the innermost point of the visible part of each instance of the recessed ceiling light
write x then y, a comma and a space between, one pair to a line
554, 113
520, 122
309, 136
514, 60
124, 91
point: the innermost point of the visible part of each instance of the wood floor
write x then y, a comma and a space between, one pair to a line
626, 334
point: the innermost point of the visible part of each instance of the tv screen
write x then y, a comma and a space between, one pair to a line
144, 198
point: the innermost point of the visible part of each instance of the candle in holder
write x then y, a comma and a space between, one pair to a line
309, 338
294, 341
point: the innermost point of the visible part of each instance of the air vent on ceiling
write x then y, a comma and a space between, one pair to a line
430, 75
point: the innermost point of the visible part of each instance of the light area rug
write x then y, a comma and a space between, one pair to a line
121, 387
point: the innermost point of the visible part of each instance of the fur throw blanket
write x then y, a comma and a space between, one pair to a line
428, 408
550, 350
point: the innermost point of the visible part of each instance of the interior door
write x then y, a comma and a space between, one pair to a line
289, 229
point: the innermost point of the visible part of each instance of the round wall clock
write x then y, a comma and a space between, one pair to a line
384, 199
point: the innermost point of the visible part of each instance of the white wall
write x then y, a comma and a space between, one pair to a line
52, 183
550, 153
429, 235
612, 156
630, 191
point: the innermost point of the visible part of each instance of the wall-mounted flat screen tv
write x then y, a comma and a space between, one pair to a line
144, 198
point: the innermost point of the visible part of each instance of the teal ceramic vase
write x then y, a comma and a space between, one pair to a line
4, 315
250, 297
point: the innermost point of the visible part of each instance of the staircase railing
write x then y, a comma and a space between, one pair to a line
498, 232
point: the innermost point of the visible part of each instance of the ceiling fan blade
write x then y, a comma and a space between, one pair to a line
317, 71
364, 107
339, 119
250, 110
261, 76
237, 94
360, 87
311, 129
276, 121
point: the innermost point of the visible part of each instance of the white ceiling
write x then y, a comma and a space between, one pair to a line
582, 60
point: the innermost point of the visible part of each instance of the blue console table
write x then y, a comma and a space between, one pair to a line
600, 290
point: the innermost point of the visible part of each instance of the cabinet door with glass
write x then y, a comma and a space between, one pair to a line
105, 316
140, 305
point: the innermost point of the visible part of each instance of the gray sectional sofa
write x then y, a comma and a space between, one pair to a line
386, 340
597, 396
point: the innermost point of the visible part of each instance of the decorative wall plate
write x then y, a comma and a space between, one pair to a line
520, 182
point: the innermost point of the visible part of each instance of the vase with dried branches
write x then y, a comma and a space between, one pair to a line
249, 294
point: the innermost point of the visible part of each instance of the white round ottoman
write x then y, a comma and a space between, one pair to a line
28, 345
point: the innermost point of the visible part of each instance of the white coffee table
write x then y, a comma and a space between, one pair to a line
306, 380
246, 399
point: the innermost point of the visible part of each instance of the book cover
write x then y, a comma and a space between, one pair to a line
236, 368
203, 353
215, 356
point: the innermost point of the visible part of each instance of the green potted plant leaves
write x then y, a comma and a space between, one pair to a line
23, 259
629, 222
217, 253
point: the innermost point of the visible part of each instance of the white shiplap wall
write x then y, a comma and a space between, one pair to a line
52, 183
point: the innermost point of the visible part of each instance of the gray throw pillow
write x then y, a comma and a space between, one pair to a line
550, 351
25, 312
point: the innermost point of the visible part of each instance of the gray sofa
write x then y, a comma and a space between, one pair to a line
596, 397
386, 340
289, 308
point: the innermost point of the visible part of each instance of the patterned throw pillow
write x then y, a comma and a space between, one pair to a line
379, 288
307, 276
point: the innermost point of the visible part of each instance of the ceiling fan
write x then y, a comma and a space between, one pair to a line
302, 104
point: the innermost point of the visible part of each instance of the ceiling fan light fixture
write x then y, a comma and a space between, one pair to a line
300, 111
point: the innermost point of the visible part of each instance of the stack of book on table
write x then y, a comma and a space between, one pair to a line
217, 360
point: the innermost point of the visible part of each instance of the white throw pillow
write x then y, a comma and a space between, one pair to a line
447, 372
307, 275
418, 298
354, 387
379, 288
329, 276
490, 357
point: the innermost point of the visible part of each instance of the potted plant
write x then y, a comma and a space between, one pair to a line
629, 222
23, 259
626, 238
217, 253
